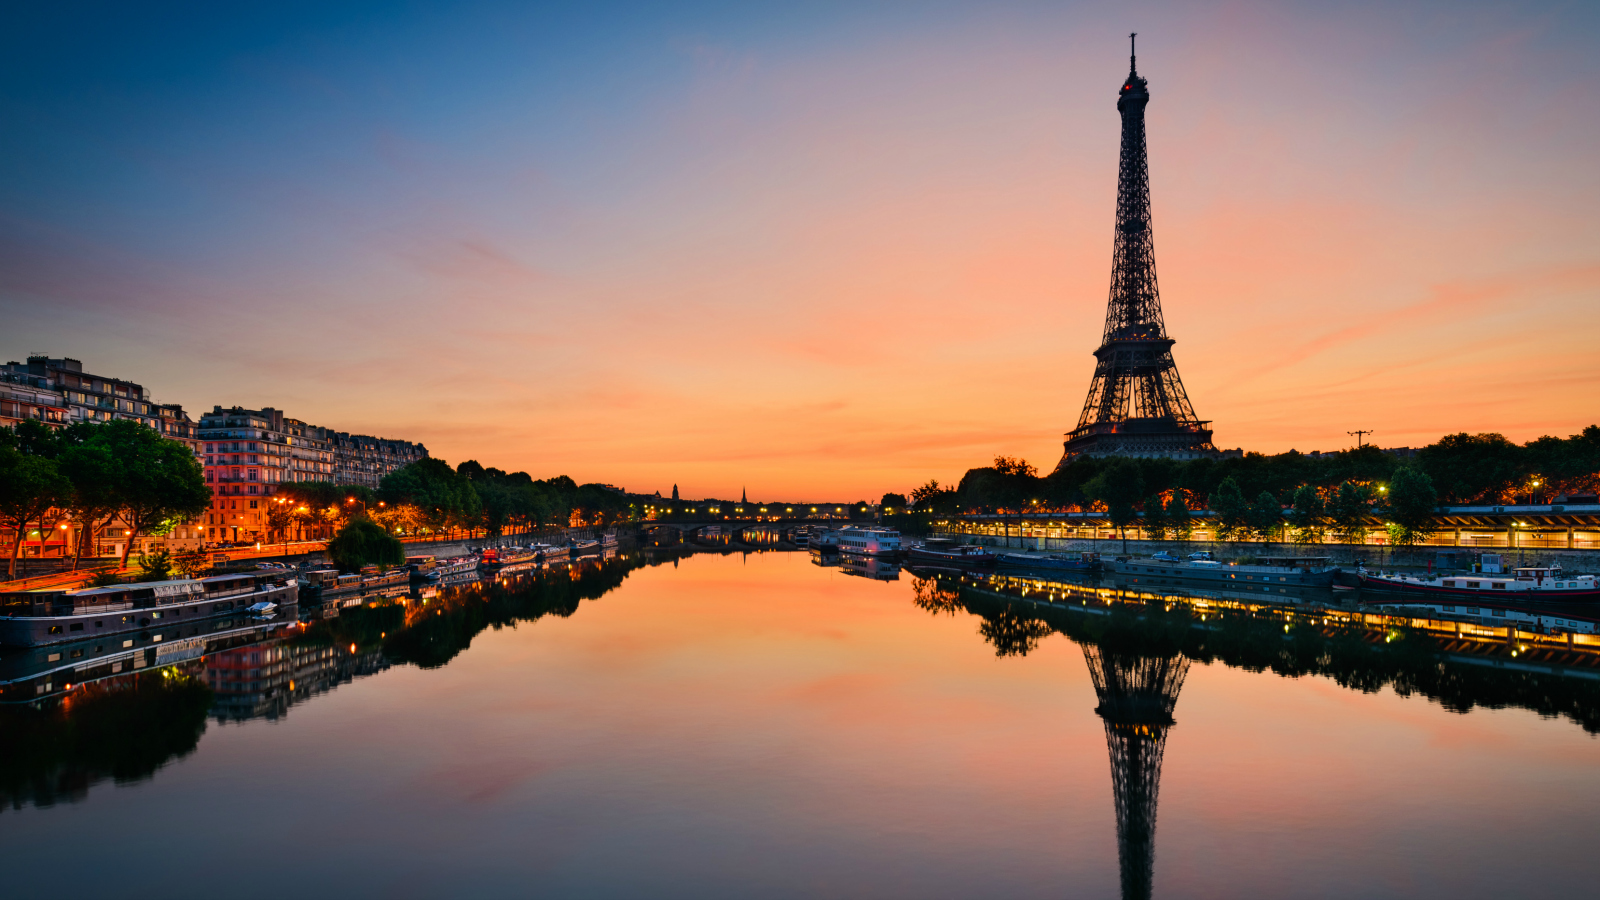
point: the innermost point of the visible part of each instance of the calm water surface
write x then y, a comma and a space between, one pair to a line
742, 726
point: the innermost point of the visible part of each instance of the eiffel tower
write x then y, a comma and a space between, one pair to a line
1137, 694
1136, 405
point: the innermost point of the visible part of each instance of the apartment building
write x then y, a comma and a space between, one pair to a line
24, 397
59, 392
363, 460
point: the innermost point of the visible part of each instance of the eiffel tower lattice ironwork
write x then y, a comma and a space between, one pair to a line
1136, 405
1137, 695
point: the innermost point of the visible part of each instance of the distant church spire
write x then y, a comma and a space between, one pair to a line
743, 497
674, 492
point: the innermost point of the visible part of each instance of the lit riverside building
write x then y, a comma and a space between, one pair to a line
249, 453
58, 392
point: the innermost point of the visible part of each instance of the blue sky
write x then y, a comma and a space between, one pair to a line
823, 247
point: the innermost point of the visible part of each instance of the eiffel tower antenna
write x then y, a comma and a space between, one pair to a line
1136, 405
1137, 695
1133, 53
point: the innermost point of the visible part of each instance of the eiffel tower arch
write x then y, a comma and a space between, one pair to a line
1137, 694
1137, 405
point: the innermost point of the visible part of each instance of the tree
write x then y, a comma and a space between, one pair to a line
1155, 521
155, 565
1352, 507
1231, 509
1308, 515
1178, 517
1266, 516
158, 482
892, 502
1468, 467
1013, 631
1411, 507
30, 486
442, 497
96, 497
599, 505
190, 562
363, 542
935, 499
280, 515
1119, 485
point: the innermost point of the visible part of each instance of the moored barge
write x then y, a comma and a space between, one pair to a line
1273, 574
1085, 562
1528, 584
36, 618
946, 552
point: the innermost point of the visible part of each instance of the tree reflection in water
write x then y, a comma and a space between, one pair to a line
128, 727
1139, 655
124, 730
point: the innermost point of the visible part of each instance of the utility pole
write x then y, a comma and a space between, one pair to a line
1357, 435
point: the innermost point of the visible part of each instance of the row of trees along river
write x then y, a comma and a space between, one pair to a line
93, 475
1290, 495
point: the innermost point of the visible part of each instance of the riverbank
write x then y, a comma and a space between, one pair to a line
1338, 554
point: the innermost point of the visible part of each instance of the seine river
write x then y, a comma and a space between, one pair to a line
761, 726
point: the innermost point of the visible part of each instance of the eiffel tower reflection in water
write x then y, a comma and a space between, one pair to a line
1137, 694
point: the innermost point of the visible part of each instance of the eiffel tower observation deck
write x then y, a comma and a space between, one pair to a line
1136, 405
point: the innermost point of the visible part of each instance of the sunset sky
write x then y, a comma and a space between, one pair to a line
816, 250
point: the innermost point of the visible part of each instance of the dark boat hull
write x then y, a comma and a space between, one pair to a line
951, 560
1010, 561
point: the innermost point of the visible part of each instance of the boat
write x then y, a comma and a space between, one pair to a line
821, 541
1274, 574
314, 582
584, 548
1536, 584
421, 567
946, 552
1083, 562
374, 577
455, 566
35, 618
869, 541
496, 558
608, 540
263, 609
800, 538
550, 553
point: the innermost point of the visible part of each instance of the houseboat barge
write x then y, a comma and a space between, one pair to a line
33, 674
1273, 574
946, 552
429, 569
1529, 584
496, 558
1085, 562
36, 618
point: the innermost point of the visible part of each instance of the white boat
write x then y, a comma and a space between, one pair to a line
264, 608
869, 541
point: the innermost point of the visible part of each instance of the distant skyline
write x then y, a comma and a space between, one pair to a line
821, 251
